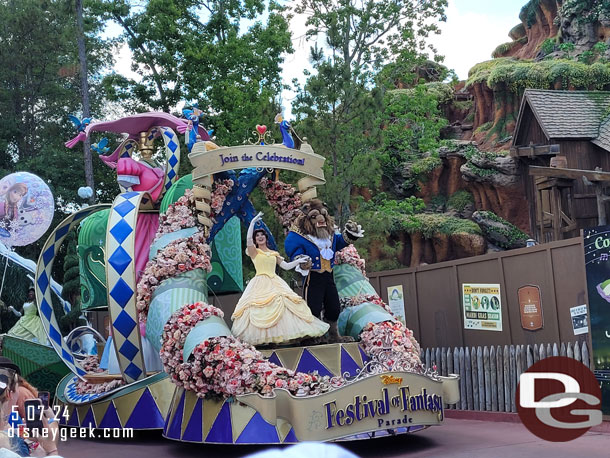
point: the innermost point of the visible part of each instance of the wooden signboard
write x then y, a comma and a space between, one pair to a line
530, 307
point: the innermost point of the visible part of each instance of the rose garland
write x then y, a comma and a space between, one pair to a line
181, 255
220, 190
92, 364
349, 255
283, 198
225, 366
377, 338
179, 215
353, 301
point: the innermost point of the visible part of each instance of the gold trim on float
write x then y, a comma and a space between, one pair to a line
99, 411
353, 349
161, 392
211, 409
126, 405
240, 417
187, 412
283, 428
329, 356
174, 404
82, 413
290, 357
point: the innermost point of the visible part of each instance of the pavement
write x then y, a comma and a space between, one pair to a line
456, 438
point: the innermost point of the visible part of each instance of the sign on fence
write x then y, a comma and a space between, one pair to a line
530, 307
482, 306
396, 301
597, 267
580, 322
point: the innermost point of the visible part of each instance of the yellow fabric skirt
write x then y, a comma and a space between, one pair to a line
270, 312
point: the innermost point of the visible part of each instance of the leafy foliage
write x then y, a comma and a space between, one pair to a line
341, 101
512, 233
459, 200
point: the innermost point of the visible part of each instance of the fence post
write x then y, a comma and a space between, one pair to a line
487, 378
438, 361
555, 349
586, 359
475, 378
549, 350
518, 362
463, 393
536, 353
500, 373
577, 355
507, 397
570, 352
513, 379
444, 358
428, 365
481, 378
468, 371
562, 349
542, 351
493, 379
529, 356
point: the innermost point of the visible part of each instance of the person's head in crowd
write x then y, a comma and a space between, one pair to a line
14, 390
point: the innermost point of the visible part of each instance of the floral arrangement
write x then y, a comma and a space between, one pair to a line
225, 366
83, 387
180, 215
349, 255
91, 364
182, 255
378, 338
220, 190
283, 198
362, 298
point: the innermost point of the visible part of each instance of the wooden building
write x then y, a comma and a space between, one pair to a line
562, 140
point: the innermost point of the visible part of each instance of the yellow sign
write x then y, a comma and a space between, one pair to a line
482, 305
264, 156
363, 406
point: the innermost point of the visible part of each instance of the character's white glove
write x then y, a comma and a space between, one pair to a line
303, 264
296, 263
354, 230
15, 312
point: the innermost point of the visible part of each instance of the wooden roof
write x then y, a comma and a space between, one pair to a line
569, 114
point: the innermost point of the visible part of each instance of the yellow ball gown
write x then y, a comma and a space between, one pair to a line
269, 311
29, 326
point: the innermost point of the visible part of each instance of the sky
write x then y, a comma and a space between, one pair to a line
474, 28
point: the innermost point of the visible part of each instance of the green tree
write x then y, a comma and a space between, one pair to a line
339, 105
39, 87
71, 285
197, 51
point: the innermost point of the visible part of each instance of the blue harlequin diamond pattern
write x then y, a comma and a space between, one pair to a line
43, 282
171, 174
62, 231
55, 335
172, 145
133, 371
124, 324
121, 293
121, 231
128, 350
67, 356
120, 259
46, 309
129, 195
48, 255
124, 207
173, 161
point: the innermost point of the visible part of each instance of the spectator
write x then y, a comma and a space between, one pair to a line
10, 390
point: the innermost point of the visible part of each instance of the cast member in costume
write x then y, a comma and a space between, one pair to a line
269, 311
29, 326
313, 236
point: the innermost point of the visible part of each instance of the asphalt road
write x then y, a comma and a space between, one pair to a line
455, 439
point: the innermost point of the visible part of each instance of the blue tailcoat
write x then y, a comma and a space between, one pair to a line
297, 244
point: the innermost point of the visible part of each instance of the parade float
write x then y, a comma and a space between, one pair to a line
173, 363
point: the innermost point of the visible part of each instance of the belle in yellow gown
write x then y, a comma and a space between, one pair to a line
269, 311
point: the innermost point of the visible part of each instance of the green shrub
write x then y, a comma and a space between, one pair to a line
459, 200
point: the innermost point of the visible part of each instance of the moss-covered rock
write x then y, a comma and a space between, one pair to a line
499, 231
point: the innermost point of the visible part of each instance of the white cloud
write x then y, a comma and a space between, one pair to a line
469, 37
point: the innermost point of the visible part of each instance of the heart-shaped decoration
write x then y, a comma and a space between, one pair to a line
261, 129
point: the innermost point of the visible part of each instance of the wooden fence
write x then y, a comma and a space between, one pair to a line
489, 375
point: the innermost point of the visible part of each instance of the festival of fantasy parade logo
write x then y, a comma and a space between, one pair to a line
401, 400
374, 402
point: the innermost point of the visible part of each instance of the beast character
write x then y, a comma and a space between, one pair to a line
313, 234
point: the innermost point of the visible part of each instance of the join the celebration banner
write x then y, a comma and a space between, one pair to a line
597, 266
